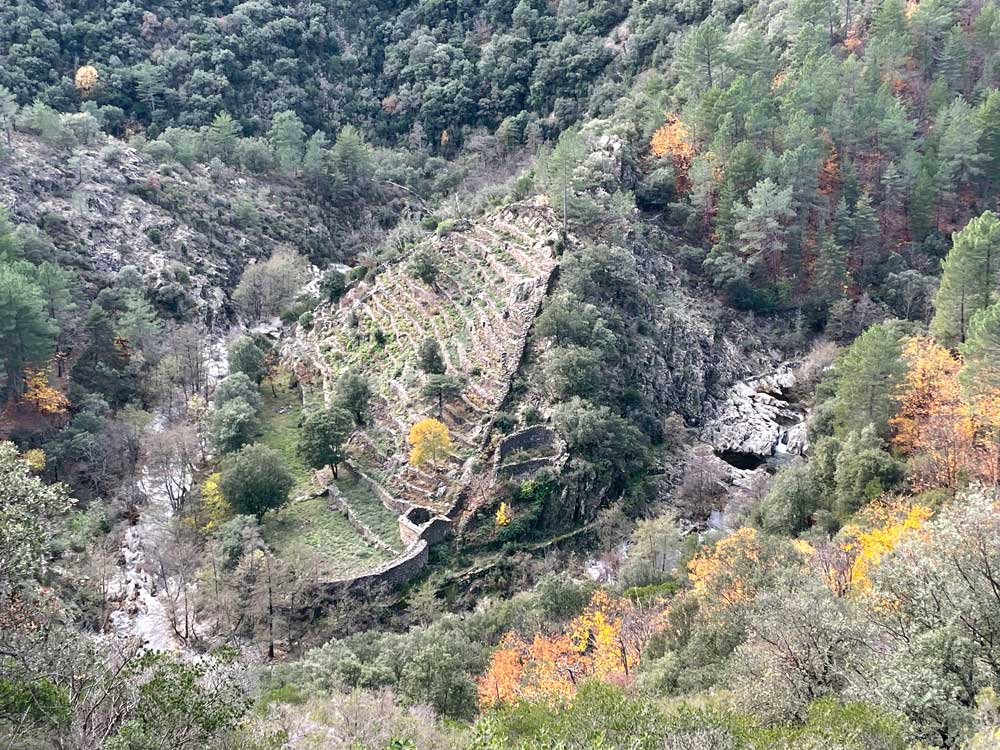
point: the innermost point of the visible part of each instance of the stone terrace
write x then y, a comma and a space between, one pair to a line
494, 274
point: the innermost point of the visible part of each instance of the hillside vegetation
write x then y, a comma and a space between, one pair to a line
489, 374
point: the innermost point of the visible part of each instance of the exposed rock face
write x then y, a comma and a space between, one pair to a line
756, 420
189, 231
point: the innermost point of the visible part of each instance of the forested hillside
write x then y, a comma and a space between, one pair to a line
491, 374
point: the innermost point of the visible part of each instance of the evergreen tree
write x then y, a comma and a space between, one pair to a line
969, 278
843, 224
953, 59
701, 59
287, 137
354, 394
150, 86
866, 379
350, 156
57, 288
865, 470
222, 137
102, 367
761, 227
138, 324
831, 278
323, 439
333, 285
236, 385
958, 148
27, 333
923, 201
429, 357
441, 388
245, 356
558, 174
742, 173
989, 139
981, 349
234, 424
315, 161
255, 480
867, 238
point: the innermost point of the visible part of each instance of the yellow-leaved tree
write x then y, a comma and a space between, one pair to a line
430, 442
85, 78
878, 530
41, 395
216, 508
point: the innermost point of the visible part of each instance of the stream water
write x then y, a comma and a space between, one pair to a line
141, 612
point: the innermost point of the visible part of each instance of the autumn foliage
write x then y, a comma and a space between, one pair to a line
673, 140
877, 531
603, 643
45, 398
719, 574
429, 441
949, 436
85, 78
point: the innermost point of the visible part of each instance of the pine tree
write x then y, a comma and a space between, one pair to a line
890, 19
287, 137
222, 137
150, 85
923, 202
867, 235
557, 172
761, 226
27, 334
315, 162
702, 57
969, 278
958, 148
981, 349
350, 156
831, 279
953, 59
742, 173
867, 376
989, 139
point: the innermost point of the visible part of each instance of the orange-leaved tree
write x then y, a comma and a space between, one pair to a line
603, 643
948, 422
673, 140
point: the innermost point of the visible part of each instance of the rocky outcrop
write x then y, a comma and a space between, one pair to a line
188, 230
757, 419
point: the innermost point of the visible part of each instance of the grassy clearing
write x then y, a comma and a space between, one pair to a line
307, 527
279, 419
369, 508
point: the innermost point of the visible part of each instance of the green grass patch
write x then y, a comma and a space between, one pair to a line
369, 508
279, 419
309, 527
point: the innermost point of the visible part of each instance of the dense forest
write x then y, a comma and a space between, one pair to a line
542, 375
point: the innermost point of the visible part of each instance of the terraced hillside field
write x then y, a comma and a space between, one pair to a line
493, 275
